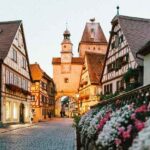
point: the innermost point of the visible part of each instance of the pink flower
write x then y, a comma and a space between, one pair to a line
117, 141
126, 134
121, 130
133, 116
139, 125
129, 127
143, 108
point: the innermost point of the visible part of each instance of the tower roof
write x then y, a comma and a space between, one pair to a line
66, 32
93, 33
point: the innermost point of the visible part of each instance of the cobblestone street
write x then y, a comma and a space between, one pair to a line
56, 134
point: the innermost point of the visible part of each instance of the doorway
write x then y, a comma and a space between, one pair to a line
21, 113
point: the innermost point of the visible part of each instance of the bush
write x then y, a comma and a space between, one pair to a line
76, 119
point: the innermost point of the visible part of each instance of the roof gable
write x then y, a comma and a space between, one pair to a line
137, 33
8, 31
36, 72
93, 33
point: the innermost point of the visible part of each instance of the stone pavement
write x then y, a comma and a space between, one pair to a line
56, 134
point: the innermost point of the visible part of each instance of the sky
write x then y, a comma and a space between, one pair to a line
44, 22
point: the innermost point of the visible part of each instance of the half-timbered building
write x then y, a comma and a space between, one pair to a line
89, 88
43, 94
14, 74
127, 36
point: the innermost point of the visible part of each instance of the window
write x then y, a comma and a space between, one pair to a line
33, 97
44, 86
113, 45
108, 89
11, 78
14, 55
7, 77
120, 39
120, 85
23, 63
66, 80
15, 79
116, 41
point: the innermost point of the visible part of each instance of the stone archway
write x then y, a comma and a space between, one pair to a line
69, 107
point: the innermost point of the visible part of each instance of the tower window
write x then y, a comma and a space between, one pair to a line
64, 46
66, 80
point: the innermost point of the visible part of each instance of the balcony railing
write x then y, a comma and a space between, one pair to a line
127, 97
15, 88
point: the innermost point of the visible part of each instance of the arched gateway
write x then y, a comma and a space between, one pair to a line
66, 73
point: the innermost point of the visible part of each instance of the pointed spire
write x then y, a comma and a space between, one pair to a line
117, 10
66, 25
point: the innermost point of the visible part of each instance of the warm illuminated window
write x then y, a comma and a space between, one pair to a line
8, 110
15, 111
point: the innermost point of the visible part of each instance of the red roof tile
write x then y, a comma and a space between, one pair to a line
93, 33
95, 64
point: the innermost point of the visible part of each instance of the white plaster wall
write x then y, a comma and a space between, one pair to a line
147, 69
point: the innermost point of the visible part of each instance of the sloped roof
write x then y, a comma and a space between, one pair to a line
37, 73
145, 49
93, 33
8, 31
136, 31
75, 60
95, 63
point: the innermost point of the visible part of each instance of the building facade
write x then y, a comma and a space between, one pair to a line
127, 36
67, 69
43, 94
14, 74
90, 89
145, 52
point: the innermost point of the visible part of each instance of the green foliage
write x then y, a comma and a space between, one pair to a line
76, 119
131, 73
108, 96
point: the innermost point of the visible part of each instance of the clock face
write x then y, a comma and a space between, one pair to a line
66, 68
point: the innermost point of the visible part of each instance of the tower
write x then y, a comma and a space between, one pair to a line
66, 48
93, 39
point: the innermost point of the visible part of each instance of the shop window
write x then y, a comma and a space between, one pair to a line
15, 111
8, 110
